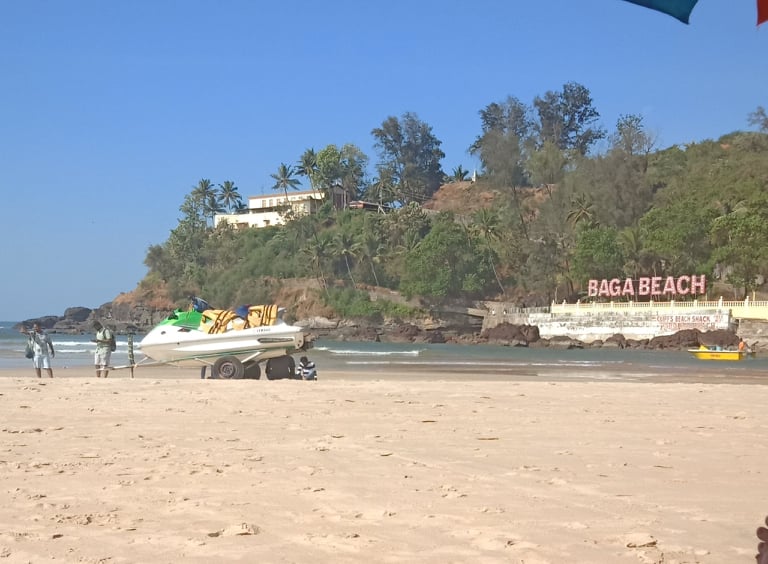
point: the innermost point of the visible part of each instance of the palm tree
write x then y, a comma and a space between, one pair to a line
346, 246
371, 248
202, 194
318, 250
631, 241
229, 196
307, 166
284, 179
583, 210
212, 206
486, 224
459, 174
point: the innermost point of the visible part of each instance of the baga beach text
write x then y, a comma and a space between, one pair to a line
649, 286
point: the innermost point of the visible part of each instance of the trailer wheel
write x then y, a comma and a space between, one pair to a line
253, 371
281, 367
228, 367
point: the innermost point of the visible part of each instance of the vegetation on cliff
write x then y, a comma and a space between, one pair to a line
558, 200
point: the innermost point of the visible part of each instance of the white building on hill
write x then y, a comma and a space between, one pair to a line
263, 211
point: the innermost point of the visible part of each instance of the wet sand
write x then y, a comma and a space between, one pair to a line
380, 467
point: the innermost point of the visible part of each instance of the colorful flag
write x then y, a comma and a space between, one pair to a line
680, 9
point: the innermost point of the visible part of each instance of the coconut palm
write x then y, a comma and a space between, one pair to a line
487, 225
284, 179
459, 174
212, 206
318, 251
307, 166
582, 211
202, 195
371, 248
346, 246
229, 196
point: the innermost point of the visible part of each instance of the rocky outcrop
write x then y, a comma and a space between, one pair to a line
120, 318
511, 335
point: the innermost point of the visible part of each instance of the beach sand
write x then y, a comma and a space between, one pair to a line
378, 468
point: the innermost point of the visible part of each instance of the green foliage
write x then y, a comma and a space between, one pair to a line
351, 303
410, 158
741, 239
598, 254
445, 264
678, 236
630, 211
568, 118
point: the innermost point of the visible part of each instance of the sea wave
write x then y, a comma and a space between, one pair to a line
354, 352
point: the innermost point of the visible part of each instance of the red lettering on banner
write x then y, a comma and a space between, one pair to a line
669, 286
615, 287
656, 285
648, 286
699, 284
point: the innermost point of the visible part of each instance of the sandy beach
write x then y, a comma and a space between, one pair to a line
379, 468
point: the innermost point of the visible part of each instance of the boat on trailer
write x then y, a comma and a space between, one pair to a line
233, 343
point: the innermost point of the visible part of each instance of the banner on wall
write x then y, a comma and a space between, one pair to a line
650, 286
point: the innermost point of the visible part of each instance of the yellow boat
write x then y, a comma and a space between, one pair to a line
707, 353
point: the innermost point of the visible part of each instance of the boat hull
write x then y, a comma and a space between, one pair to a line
702, 354
184, 347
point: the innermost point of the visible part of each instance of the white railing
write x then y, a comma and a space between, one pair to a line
740, 309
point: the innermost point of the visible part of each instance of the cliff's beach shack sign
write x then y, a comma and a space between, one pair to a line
636, 308
651, 286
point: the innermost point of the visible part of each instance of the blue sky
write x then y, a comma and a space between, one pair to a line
110, 112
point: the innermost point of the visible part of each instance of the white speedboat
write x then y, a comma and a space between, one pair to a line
232, 343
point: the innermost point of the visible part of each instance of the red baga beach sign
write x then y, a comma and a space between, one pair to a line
649, 286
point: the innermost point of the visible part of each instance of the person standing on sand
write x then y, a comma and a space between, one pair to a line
41, 344
103, 342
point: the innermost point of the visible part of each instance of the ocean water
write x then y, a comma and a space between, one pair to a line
497, 361
71, 350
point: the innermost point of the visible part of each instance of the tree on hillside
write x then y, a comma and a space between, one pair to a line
637, 260
307, 166
678, 234
229, 196
582, 212
741, 244
507, 130
445, 264
353, 172
486, 224
283, 180
345, 246
547, 165
459, 174
619, 182
410, 157
318, 251
503, 148
201, 198
568, 118
760, 119
598, 254
341, 171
